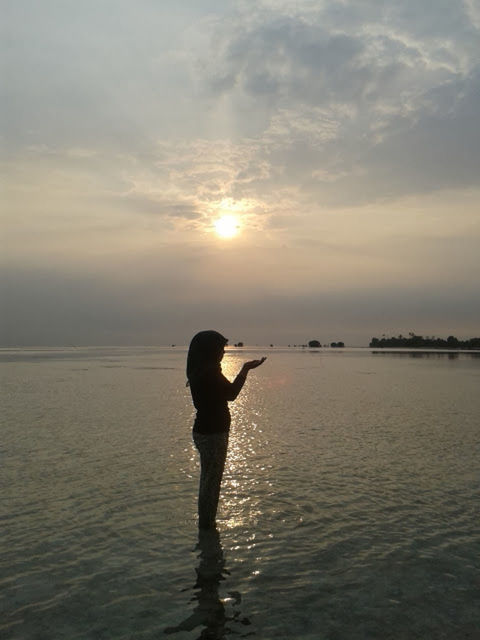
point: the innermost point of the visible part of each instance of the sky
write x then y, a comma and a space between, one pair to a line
342, 137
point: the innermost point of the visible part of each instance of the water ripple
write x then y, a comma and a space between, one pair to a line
349, 506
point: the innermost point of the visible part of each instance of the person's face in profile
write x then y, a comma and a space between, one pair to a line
220, 354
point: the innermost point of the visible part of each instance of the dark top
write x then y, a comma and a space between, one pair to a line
211, 392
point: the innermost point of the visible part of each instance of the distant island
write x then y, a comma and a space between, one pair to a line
430, 342
316, 344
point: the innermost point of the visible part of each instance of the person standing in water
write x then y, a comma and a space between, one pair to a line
211, 393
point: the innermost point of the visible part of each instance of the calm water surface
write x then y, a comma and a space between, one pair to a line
350, 505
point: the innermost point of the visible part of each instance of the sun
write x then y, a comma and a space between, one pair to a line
227, 226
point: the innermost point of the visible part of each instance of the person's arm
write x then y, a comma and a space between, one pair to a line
234, 388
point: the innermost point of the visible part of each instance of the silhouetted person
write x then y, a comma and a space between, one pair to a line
211, 392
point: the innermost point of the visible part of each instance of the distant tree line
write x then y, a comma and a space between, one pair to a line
311, 344
315, 344
414, 342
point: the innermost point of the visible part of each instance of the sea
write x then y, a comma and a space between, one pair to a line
350, 505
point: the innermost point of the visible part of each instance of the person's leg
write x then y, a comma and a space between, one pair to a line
220, 455
213, 452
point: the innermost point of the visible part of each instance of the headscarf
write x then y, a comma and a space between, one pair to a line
203, 352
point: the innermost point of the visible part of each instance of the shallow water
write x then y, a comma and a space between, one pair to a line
350, 503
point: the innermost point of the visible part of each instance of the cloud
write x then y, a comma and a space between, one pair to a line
355, 94
160, 207
241, 103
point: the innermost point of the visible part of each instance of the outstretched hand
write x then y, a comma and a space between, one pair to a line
253, 364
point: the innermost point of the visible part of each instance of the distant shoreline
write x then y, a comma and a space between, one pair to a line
419, 342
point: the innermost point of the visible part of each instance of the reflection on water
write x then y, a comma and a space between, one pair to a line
451, 355
210, 613
247, 476
349, 504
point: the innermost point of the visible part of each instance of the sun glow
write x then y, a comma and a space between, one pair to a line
227, 226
